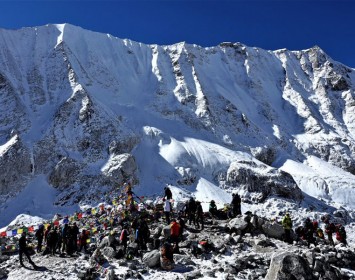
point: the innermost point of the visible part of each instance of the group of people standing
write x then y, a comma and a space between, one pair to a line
312, 233
133, 226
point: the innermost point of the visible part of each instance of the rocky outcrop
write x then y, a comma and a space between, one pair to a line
264, 154
260, 181
288, 266
65, 173
120, 167
274, 230
16, 165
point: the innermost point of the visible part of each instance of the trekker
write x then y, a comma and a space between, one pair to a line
142, 234
199, 215
167, 256
83, 237
236, 205
48, 229
167, 210
52, 239
287, 225
182, 224
174, 231
340, 234
213, 209
309, 231
39, 236
124, 238
65, 233
191, 211
168, 193
24, 250
329, 229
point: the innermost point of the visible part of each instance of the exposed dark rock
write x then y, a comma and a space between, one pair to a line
152, 259
288, 266
261, 181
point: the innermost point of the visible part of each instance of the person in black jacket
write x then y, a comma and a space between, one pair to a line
199, 215
191, 211
24, 250
168, 194
39, 235
236, 205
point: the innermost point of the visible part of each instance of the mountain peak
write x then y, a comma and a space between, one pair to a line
217, 116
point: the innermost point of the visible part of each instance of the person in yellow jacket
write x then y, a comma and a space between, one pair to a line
287, 225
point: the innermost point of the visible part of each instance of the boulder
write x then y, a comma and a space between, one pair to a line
157, 231
237, 224
3, 273
274, 230
97, 258
286, 266
4, 258
151, 259
264, 243
108, 252
183, 259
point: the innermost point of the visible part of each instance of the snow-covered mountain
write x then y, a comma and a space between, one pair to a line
82, 112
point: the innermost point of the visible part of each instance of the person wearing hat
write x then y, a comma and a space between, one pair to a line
287, 225
24, 250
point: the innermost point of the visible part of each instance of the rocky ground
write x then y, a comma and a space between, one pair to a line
234, 254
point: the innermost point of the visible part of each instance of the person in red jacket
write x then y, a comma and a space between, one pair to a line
83, 237
175, 231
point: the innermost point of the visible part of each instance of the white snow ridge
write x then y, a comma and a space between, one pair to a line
81, 113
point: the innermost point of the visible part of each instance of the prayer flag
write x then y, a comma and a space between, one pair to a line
14, 232
19, 231
3, 234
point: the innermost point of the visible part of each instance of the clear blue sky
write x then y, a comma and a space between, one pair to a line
267, 24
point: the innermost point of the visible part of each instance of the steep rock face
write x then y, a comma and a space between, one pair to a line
81, 100
65, 173
15, 165
120, 168
260, 181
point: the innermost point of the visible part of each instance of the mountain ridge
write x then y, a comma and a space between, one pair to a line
89, 108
